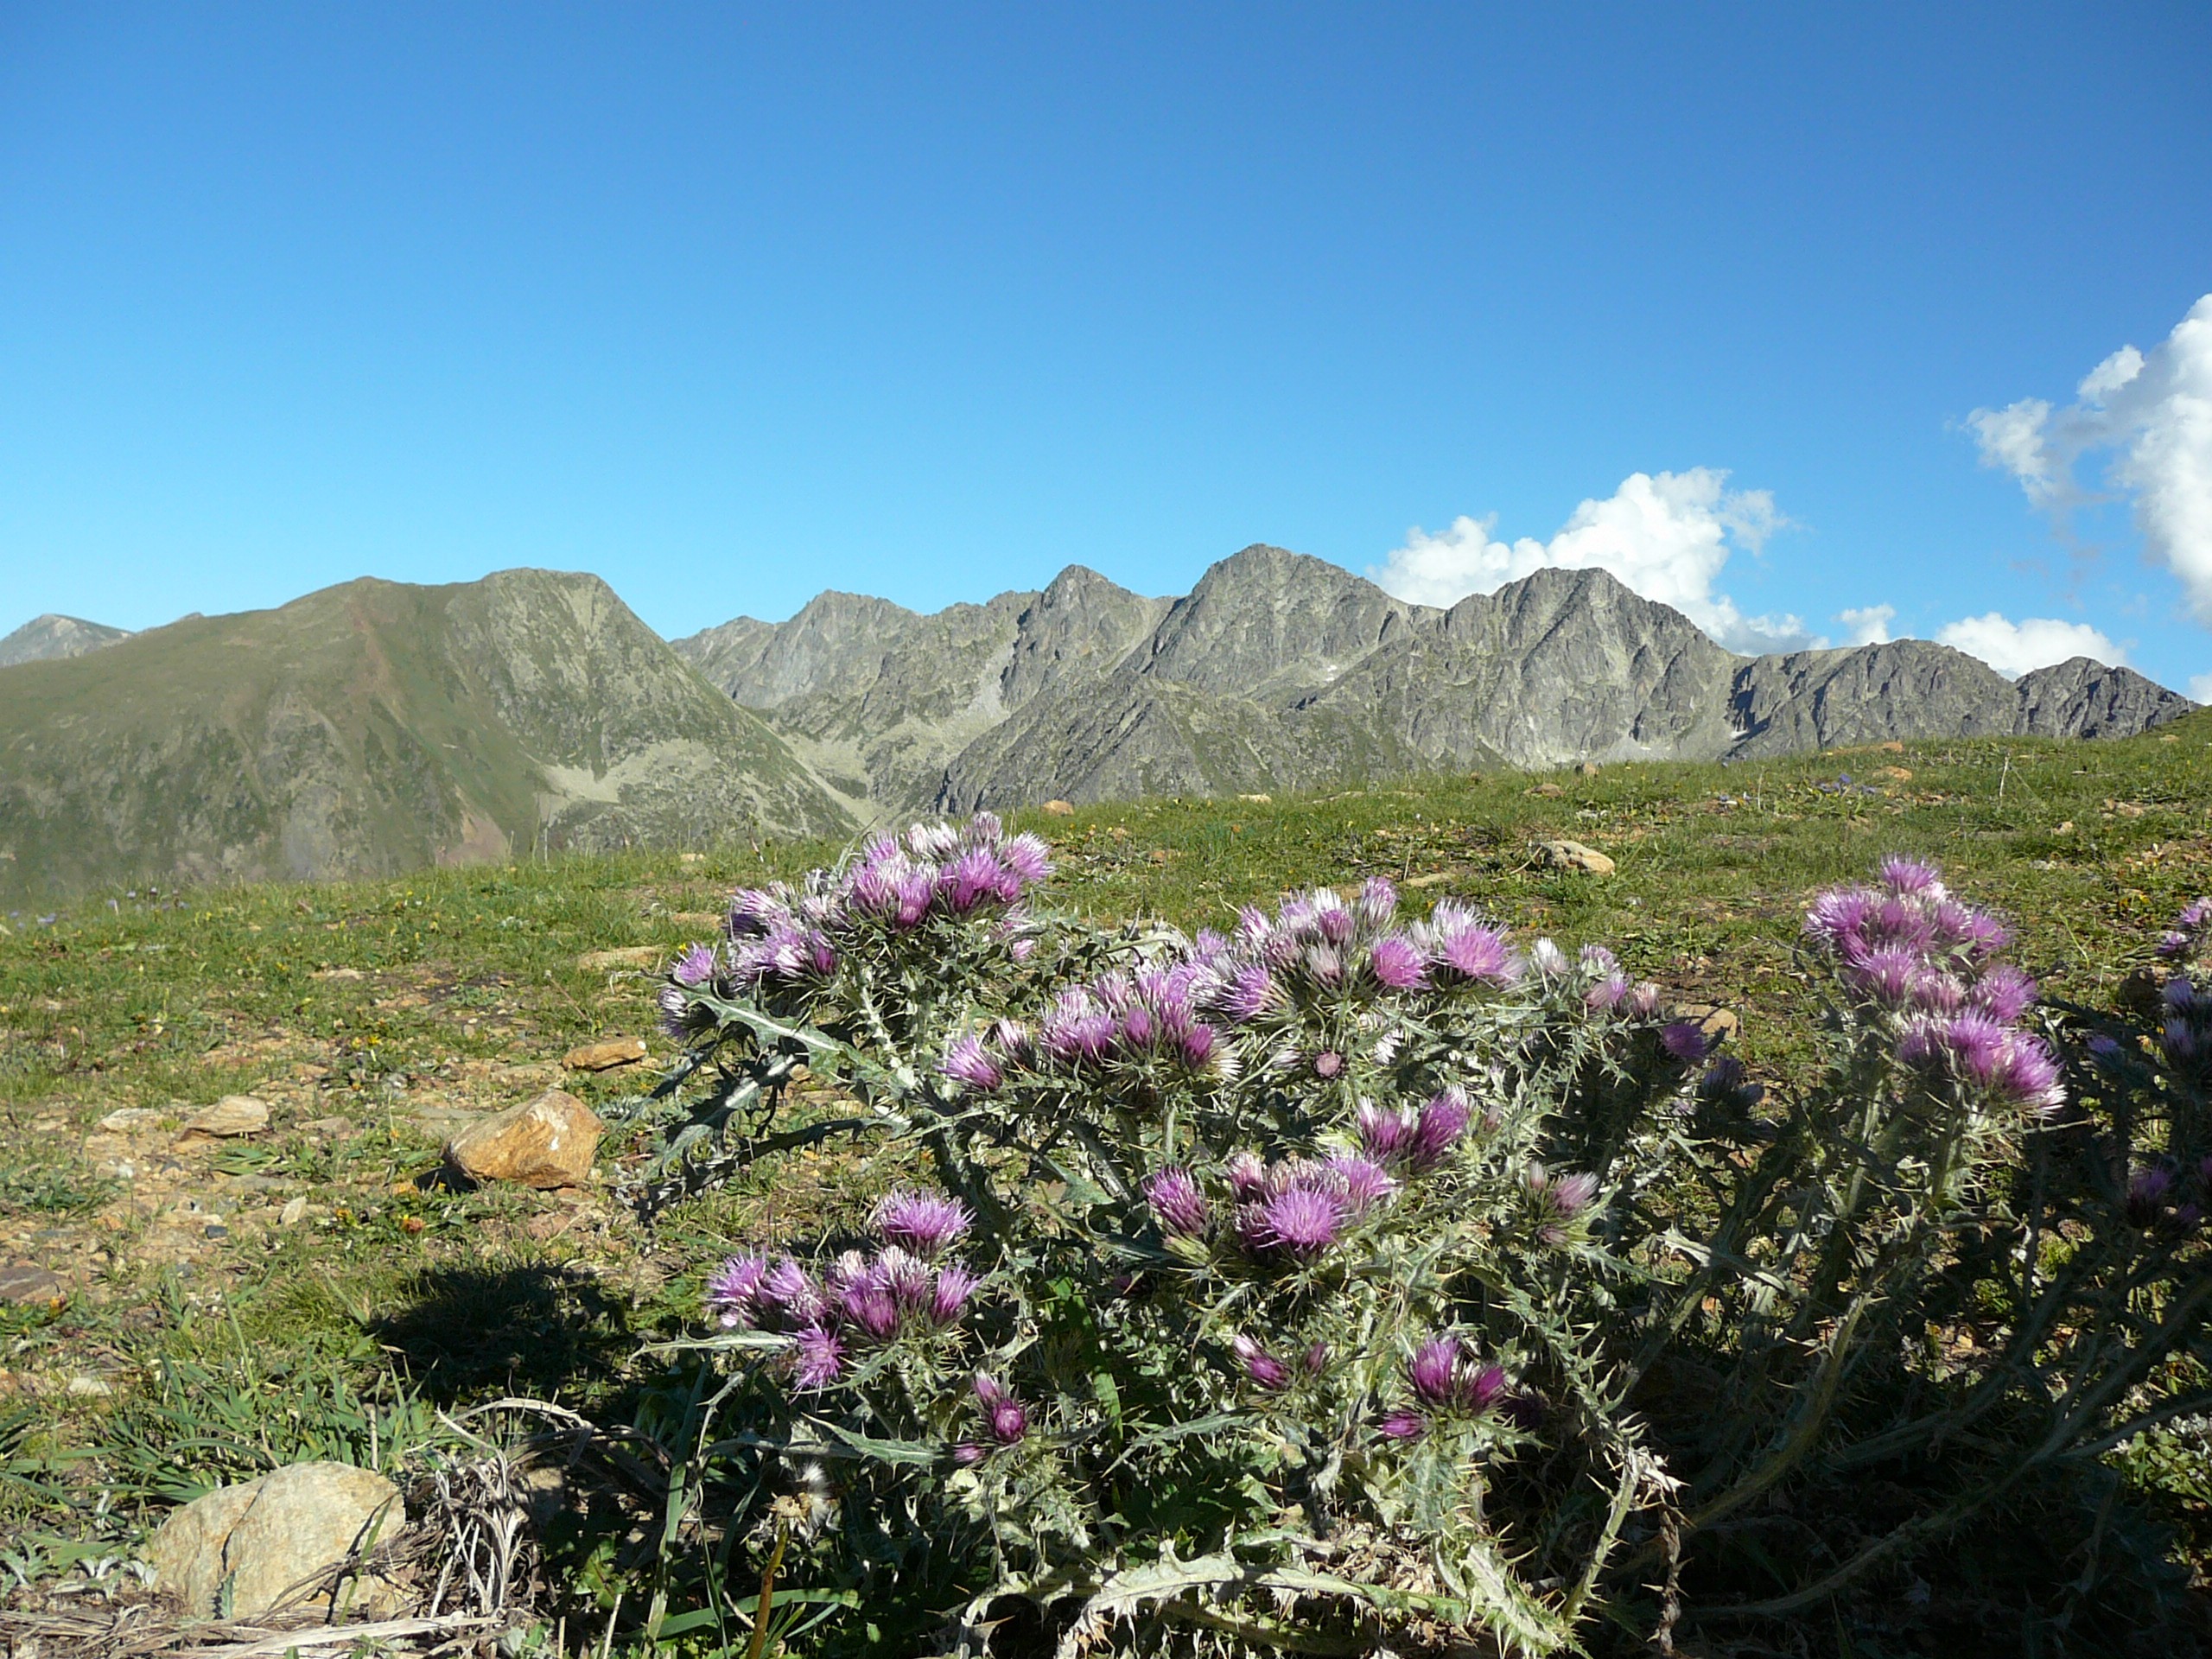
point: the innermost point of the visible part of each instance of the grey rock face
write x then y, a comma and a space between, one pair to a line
1282, 672
45, 637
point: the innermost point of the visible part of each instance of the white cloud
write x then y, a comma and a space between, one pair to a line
1870, 624
2152, 412
2012, 648
1666, 536
2200, 688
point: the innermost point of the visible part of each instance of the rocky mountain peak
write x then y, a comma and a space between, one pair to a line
47, 637
1269, 623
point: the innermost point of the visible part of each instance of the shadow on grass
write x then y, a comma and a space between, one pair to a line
536, 1329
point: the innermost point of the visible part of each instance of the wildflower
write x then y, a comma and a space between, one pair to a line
1007, 1417
1386, 1134
2028, 1076
734, 1291
1723, 1077
1684, 1040
1377, 902
1403, 1424
1327, 1064
1606, 994
694, 967
904, 1276
1262, 1367
675, 1011
1909, 875
818, 1357
1397, 963
1177, 1201
949, 1293
2147, 1191
1316, 1358
1248, 1176
1251, 993
967, 1454
1548, 958
1644, 998
1462, 948
1447, 1375
922, 1222
1442, 1121
968, 1062
1559, 1199
2003, 992
790, 1288
1028, 857
933, 840
1364, 1184
873, 1308
1300, 1221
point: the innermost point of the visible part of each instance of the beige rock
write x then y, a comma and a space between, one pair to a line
629, 956
1718, 1024
294, 1213
336, 973
548, 1141
133, 1120
1573, 856
1433, 878
1258, 800
1057, 809
1586, 769
1891, 748
1549, 792
1899, 774
264, 1537
605, 1057
226, 1119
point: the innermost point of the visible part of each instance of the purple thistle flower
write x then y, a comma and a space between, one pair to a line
916, 891
818, 1359
1559, 1199
1684, 1040
2028, 1076
696, 966
2175, 943
1316, 1358
1464, 948
2147, 1190
1982, 933
1176, 1200
1977, 1045
1337, 924
2003, 991
1138, 1026
872, 1308
791, 1289
967, 1454
734, 1291
2179, 1038
1397, 963
1007, 1418
1724, 1076
1433, 1368
950, 1292
933, 840
1903, 874
1402, 1425
1028, 857
1363, 1184
969, 1063
983, 829
1920, 1044
1606, 994
1933, 991
1887, 974
1324, 963
1300, 1221
1386, 1134
1262, 1367
1597, 960
1838, 914
923, 1223
1643, 1000
1377, 902
1198, 1047
1248, 1176
905, 1275
1249, 995
1442, 1121
675, 1010
752, 912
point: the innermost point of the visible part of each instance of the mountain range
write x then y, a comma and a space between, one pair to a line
375, 726
1279, 671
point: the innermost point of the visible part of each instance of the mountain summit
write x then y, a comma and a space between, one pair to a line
377, 727
1279, 671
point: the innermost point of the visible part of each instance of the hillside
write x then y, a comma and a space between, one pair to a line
1281, 672
375, 728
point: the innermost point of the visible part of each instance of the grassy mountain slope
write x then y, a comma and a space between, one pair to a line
378, 727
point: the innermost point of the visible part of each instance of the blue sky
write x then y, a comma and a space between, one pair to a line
731, 305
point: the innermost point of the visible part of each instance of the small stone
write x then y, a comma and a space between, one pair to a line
332, 1129
1159, 855
2128, 810
1436, 878
336, 973
1718, 1024
231, 1116
605, 1057
294, 1213
134, 1120
1900, 775
1258, 800
2065, 829
1586, 769
264, 1537
90, 1388
627, 956
1549, 792
1573, 856
548, 1141
690, 858
25, 1282
1057, 809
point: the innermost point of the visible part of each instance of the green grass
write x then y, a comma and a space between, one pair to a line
362, 1011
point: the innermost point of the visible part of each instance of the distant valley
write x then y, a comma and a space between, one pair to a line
378, 727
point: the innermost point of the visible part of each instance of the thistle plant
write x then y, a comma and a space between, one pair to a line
1351, 1278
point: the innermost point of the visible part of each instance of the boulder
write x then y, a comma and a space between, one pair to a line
264, 1537
231, 1116
605, 1057
1057, 809
545, 1143
1573, 856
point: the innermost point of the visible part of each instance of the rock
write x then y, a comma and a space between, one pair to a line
336, 973
332, 1129
264, 1537
1718, 1024
1573, 856
1258, 800
294, 1213
1057, 809
605, 1057
231, 1116
1435, 878
548, 1141
1891, 748
690, 858
1586, 769
27, 1282
629, 956
1900, 775
134, 1120
1549, 792
90, 1388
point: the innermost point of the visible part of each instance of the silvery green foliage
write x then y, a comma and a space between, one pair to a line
1311, 1284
